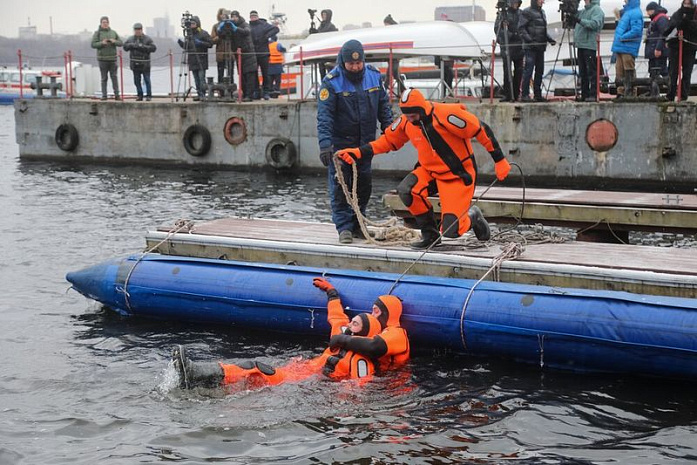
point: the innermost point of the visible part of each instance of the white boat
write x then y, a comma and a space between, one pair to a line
11, 82
429, 38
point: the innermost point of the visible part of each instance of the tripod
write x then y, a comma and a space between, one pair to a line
184, 68
507, 55
572, 58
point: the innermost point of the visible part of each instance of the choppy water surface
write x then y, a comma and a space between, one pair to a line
79, 384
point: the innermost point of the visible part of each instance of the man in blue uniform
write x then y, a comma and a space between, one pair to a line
352, 100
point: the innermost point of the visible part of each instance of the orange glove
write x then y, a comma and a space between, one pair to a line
502, 168
349, 155
322, 284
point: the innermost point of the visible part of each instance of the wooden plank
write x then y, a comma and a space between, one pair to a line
670, 260
625, 217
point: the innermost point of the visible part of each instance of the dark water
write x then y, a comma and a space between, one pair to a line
81, 385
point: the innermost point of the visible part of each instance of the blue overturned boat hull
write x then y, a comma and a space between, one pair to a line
572, 329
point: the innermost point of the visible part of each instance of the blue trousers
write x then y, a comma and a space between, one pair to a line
200, 81
343, 215
145, 75
534, 60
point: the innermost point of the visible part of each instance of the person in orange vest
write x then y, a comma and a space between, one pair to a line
391, 347
276, 51
441, 134
336, 363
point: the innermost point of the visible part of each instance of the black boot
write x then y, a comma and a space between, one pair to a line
200, 374
629, 84
429, 232
478, 224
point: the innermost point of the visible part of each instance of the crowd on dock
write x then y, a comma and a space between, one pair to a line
670, 45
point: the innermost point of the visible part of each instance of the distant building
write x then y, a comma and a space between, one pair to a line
460, 14
162, 27
27, 32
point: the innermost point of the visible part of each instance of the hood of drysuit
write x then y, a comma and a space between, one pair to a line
391, 308
413, 101
371, 325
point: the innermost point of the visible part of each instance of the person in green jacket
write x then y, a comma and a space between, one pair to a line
105, 40
589, 22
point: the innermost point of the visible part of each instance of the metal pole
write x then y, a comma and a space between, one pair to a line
493, 57
597, 69
171, 75
21, 80
680, 45
121, 71
65, 74
70, 70
302, 76
389, 78
239, 75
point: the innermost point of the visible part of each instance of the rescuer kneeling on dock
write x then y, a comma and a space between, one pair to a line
441, 134
336, 363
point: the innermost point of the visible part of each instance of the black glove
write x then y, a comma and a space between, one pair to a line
325, 156
338, 340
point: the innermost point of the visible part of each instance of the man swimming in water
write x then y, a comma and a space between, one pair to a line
336, 363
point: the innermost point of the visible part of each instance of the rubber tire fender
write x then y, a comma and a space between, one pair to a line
281, 153
190, 134
67, 137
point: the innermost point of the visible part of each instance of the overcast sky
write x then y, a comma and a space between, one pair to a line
73, 16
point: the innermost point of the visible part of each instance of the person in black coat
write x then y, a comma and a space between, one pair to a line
196, 45
685, 20
511, 49
325, 25
242, 40
262, 31
533, 30
656, 50
140, 47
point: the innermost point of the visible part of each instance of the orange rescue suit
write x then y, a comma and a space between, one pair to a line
442, 139
335, 363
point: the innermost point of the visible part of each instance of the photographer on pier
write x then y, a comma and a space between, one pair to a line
196, 43
105, 40
588, 24
242, 40
508, 37
221, 36
140, 47
262, 31
325, 25
533, 30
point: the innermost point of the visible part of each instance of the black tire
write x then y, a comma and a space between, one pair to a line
67, 137
197, 140
281, 153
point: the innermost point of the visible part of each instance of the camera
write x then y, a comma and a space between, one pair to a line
313, 27
569, 10
502, 5
186, 22
227, 27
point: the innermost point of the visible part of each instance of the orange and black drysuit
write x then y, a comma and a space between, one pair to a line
442, 138
336, 363
391, 347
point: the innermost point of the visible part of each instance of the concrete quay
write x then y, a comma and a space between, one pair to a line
632, 145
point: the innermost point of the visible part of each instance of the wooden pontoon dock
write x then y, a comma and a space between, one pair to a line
638, 269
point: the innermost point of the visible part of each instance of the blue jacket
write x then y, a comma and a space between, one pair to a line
629, 29
348, 114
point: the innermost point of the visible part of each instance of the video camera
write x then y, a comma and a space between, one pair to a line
186, 22
569, 10
502, 5
313, 27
